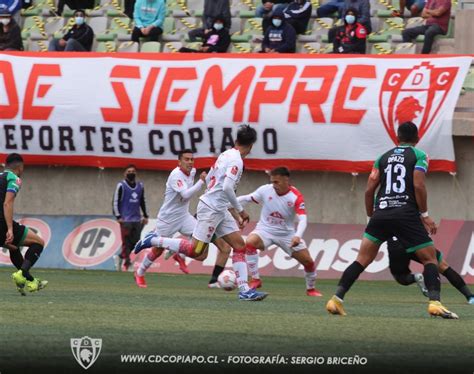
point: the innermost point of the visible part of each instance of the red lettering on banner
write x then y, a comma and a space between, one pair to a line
124, 113
213, 80
263, 96
314, 99
164, 116
146, 95
340, 114
10, 110
36, 112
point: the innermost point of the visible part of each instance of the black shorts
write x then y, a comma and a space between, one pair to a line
19, 233
409, 230
399, 259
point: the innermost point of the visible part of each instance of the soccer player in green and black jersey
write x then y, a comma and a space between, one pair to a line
12, 234
401, 199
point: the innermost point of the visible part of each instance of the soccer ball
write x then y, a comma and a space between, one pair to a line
227, 280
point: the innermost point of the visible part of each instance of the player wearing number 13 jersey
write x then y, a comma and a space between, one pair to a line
401, 199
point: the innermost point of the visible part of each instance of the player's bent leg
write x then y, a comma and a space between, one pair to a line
239, 264
456, 280
252, 244
367, 253
223, 254
145, 265
427, 256
304, 258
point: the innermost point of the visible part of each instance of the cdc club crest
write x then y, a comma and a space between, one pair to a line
86, 350
414, 94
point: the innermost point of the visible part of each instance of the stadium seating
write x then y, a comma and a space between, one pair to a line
40, 23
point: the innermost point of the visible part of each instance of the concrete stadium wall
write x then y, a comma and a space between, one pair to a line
330, 197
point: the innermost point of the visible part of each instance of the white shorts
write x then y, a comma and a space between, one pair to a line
210, 222
184, 226
282, 241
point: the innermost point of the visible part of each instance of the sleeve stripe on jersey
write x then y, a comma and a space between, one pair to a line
418, 167
255, 201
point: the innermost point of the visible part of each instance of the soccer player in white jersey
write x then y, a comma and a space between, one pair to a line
213, 216
174, 215
281, 203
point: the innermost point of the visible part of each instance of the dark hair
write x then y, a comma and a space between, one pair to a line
13, 159
131, 166
246, 135
280, 170
353, 11
182, 152
80, 11
407, 132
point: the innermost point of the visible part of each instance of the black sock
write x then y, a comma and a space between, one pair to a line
405, 279
348, 278
31, 256
16, 258
456, 280
215, 273
432, 282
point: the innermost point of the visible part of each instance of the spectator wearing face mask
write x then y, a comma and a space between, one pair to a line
280, 36
297, 14
79, 38
215, 39
350, 37
10, 33
362, 7
212, 10
129, 198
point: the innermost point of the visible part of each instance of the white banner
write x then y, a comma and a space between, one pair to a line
311, 112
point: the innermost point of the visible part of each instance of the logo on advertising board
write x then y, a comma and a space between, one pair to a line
37, 225
416, 94
92, 243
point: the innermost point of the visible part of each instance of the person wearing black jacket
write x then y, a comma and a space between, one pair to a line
10, 32
297, 14
78, 39
280, 36
212, 10
350, 37
215, 39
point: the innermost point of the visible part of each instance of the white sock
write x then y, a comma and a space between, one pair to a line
146, 263
241, 272
252, 262
310, 279
172, 245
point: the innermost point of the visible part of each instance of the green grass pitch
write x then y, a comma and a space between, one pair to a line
177, 314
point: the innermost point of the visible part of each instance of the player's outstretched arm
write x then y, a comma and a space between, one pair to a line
372, 184
421, 196
8, 213
229, 189
191, 191
245, 199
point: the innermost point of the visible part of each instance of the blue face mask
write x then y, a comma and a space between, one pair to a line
218, 26
79, 20
350, 19
276, 22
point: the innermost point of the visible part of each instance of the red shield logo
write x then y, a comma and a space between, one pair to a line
415, 95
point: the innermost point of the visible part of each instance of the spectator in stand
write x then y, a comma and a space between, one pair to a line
216, 39
79, 38
297, 14
10, 33
414, 6
437, 14
13, 7
362, 7
75, 5
149, 16
212, 9
350, 37
280, 36
267, 8
329, 8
